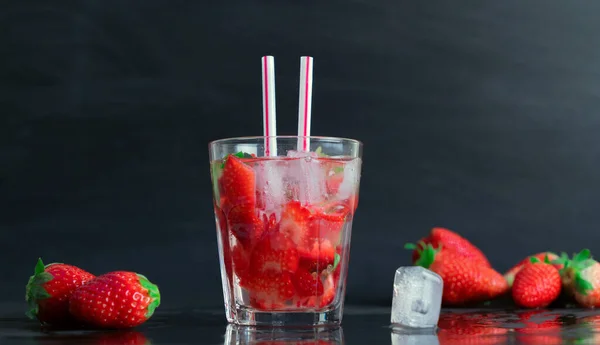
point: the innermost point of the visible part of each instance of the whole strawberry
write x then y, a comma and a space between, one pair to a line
586, 285
465, 281
49, 289
445, 239
536, 285
572, 267
547, 257
118, 299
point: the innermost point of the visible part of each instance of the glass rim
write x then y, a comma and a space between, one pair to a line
259, 137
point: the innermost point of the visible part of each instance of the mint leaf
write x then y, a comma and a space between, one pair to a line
336, 260
319, 152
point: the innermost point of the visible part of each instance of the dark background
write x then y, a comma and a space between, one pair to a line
481, 116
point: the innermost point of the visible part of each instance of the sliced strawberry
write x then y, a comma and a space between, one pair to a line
271, 290
275, 252
270, 223
241, 264
245, 225
317, 256
295, 222
330, 288
307, 284
327, 222
320, 301
238, 182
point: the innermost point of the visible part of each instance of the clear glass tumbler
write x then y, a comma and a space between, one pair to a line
284, 222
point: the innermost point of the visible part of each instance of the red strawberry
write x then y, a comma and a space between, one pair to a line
327, 222
329, 293
572, 268
465, 281
271, 290
295, 221
536, 285
586, 285
238, 182
241, 264
323, 300
308, 284
547, 257
115, 300
245, 224
449, 240
317, 256
49, 289
275, 252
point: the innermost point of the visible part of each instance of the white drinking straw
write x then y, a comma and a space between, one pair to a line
268, 90
305, 102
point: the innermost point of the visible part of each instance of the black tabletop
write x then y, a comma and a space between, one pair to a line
361, 325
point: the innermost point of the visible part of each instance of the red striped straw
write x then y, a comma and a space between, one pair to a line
268, 90
305, 102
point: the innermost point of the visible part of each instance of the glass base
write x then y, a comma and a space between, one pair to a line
296, 319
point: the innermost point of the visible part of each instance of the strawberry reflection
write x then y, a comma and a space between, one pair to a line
95, 338
539, 327
240, 335
470, 329
587, 331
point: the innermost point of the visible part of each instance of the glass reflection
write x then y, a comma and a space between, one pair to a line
243, 335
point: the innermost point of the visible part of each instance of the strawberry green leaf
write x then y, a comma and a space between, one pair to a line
39, 267
534, 260
587, 263
410, 246
427, 257
582, 255
153, 293
581, 285
34, 290
547, 259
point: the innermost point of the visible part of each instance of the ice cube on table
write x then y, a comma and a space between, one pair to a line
417, 299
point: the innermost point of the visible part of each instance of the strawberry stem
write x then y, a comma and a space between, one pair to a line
427, 256
153, 293
34, 290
